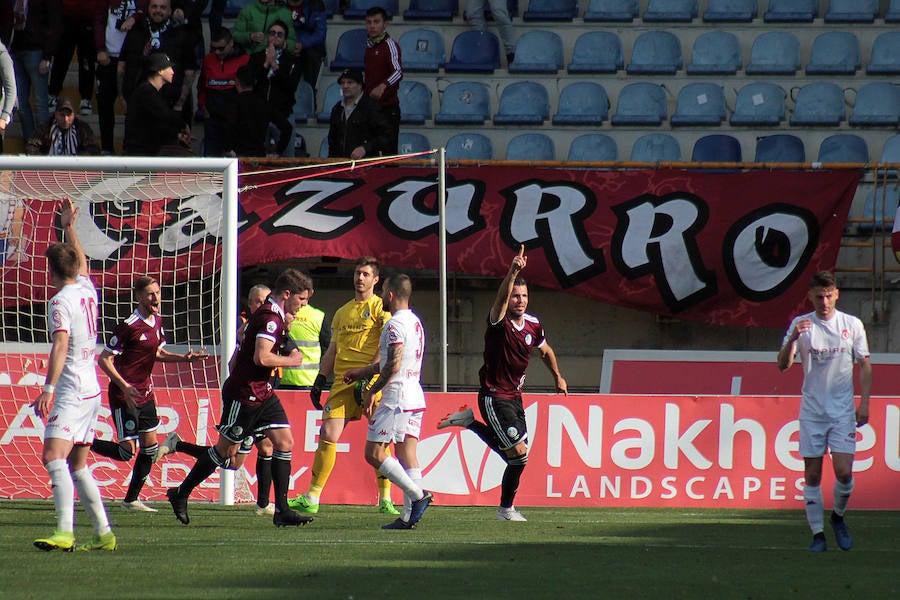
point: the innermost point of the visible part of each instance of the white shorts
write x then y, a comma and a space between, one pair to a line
73, 418
393, 425
837, 436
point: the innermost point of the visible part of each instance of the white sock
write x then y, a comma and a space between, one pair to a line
416, 475
89, 494
63, 494
815, 514
842, 493
393, 470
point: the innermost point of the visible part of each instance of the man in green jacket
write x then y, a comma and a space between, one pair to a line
252, 25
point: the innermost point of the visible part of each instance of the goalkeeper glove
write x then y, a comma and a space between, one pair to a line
315, 393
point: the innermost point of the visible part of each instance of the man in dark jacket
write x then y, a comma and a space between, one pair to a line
248, 124
152, 127
64, 134
37, 30
358, 127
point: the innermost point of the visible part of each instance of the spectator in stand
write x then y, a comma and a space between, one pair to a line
384, 71
152, 127
310, 23
6, 23
216, 92
79, 19
64, 134
357, 128
8, 89
37, 29
251, 28
248, 127
475, 15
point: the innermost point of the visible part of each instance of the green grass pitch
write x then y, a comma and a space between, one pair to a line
456, 552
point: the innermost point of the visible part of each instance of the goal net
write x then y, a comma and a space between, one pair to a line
172, 219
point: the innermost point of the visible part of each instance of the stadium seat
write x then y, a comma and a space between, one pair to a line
582, 103
774, 53
655, 52
717, 148
464, 103
323, 148
781, 148
715, 53
834, 53
731, 11
655, 147
332, 7
531, 146
880, 206
851, 11
304, 103
523, 103
893, 12
422, 50
885, 58
351, 50
682, 11
597, 52
538, 51
431, 10
641, 104
356, 9
797, 11
474, 51
700, 104
415, 103
819, 104
593, 147
469, 146
891, 153
333, 95
843, 148
759, 104
409, 142
611, 10
550, 10
877, 104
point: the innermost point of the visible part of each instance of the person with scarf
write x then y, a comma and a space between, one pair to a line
64, 134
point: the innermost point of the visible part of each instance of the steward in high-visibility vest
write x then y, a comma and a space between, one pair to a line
311, 335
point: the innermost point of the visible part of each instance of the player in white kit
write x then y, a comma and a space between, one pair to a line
828, 343
70, 399
398, 418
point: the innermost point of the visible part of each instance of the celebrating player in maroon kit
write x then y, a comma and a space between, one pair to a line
511, 336
128, 359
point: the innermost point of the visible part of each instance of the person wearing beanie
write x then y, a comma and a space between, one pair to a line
152, 127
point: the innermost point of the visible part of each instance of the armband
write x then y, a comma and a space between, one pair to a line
49, 388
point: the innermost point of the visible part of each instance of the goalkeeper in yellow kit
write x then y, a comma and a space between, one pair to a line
355, 328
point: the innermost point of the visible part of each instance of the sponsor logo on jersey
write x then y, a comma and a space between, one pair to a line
528, 338
845, 334
143, 337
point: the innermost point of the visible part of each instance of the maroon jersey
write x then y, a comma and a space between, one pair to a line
134, 344
250, 383
507, 350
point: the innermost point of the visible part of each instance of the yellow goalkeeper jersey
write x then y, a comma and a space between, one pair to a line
355, 329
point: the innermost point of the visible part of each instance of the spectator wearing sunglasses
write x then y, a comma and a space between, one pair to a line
216, 91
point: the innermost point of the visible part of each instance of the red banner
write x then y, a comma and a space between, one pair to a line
591, 450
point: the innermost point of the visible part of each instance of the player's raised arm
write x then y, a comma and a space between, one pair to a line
498, 310
68, 212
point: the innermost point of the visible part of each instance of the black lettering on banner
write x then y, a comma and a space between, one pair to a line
304, 211
409, 211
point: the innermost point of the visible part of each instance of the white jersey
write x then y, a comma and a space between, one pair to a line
74, 309
404, 391
827, 353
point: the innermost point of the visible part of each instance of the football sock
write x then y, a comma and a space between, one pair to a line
815, 515
510, 484
263, 479
323, 465
142, 467
393, 471
191, 449
63, 494
415, 473
842, 493
281, 475
89, 494
203, 468
111, 450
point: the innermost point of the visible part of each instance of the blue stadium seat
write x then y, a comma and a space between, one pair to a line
351, 50
422, 51
715, 53
409, 142
641, 104
820, 103
469, 146
431, 10
333, 95
717, 148
474, 51
893, 12
787, 11
877, 104
843, 148
781, 147
531, 146
611, 10
356, 9
550, 10
834, 53
597, 52
523, 103
731, 11
304, 103
774, 53
891, 151
656, 52
332, 7
323, 148
885, 58
415, 102
593, 147
881, 207
851, 11
700, 104
759, 103
582, 103
538, 51
682, 11
655, 147
464, 103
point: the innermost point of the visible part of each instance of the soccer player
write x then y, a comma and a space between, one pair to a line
250, 405
355, 329
511, 336
398, 417
71, 396
136, 345
828, 342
